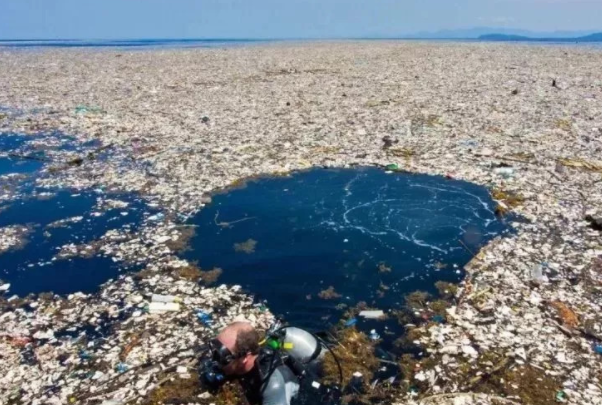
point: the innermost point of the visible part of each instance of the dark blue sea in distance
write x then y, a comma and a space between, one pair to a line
373, 236
130, 43
134, 44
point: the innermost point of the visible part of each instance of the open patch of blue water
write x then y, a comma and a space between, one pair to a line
19, 166
11, 164
55, 218
370, 235
27, 153
34, 269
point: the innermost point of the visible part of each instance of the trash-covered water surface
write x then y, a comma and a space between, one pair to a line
51, 236
321, 241
23, 156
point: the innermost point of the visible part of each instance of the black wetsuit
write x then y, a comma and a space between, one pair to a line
279, 376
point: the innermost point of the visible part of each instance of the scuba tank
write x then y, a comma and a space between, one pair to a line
295, 359
303, 346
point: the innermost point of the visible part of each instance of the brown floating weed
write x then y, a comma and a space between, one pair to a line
417, 299
383, 268
563, 124
230, 394
329, 294
531, 385
182, 244
191, 272
176, 390
509, 200
446, 290
401, 152
508, 197
247, 246
355, 352
211, 276
568, 316
581, 164
438, 307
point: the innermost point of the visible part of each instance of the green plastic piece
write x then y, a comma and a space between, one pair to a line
560, 396
82, 109
274, 344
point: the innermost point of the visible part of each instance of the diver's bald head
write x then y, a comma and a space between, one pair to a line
240, 337
242, 340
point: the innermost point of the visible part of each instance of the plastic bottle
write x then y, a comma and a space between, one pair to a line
537, 276
505, 172
162, 307
121, 368
374, 335
204, 318
165, 298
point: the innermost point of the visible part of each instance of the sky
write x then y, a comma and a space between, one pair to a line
127, 19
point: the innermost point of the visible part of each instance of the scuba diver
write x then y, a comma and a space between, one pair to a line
283, 368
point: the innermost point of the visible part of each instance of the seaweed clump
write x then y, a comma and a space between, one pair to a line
191, 273
383, 268
355, 353
175, 391
211, 276
447, 291
531, 385
417, 300
247, 246
329, 294
182, 243
506, 200
229, 394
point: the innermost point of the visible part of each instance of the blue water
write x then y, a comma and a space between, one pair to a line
34, 268
221, 43
354, 229
23, 158
13, 165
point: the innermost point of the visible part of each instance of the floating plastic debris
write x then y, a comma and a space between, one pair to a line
162, 307
376, 314
205, 318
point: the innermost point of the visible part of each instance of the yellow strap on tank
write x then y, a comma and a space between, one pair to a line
288, 345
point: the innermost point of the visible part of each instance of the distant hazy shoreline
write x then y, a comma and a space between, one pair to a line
151, 44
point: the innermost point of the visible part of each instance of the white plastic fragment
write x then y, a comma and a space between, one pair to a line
162, 307
420, 376
372, 314
164, 298
470, 351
